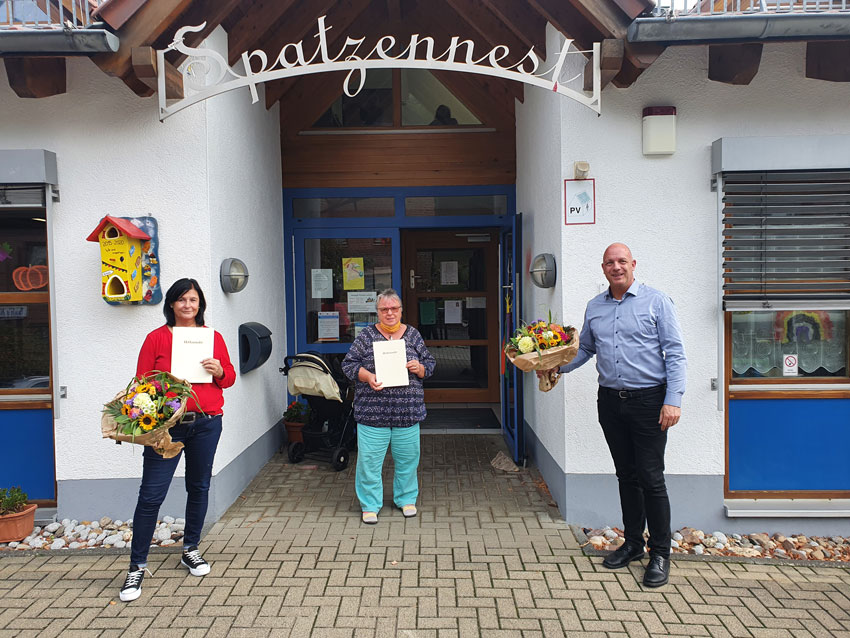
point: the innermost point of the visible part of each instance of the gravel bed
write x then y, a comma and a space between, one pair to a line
757, 545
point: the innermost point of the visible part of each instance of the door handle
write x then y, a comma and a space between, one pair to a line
413, 278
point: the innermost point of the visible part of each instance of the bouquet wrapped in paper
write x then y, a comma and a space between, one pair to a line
542, 345
143, 412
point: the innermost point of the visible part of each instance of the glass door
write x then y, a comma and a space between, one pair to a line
338, 274
450, 293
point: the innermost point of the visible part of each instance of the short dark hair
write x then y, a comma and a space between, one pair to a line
177, 290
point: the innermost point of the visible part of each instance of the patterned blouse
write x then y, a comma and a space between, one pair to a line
397, 407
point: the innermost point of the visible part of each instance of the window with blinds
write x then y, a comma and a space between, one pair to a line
786, 239
21, 196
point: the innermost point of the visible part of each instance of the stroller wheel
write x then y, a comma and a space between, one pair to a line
296, 452
339, 460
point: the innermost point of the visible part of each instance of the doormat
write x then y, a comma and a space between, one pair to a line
460, 418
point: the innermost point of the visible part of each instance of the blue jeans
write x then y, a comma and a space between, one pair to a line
200, 440
372, 446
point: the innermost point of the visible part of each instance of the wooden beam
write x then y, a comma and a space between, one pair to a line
489, 26
36, 77
611, 53
144, 68
213, 12
734, 63
529, 26
353, 16
828, 61
116, 14
606, 16
248, 32
146, 25
633, 8
440, 28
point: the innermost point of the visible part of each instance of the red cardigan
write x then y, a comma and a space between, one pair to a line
156, 355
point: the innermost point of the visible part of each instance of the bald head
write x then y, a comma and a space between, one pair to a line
617, 246
618, 266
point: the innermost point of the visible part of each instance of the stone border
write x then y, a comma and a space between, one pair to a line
82, 551
588, 550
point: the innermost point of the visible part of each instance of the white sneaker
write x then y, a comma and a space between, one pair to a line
194, 561
132, 588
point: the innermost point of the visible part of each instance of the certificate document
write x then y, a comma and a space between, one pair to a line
190, 346
390, 362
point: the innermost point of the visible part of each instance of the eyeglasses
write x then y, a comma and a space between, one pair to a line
391, 309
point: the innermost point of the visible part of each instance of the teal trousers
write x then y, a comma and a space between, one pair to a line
372, 446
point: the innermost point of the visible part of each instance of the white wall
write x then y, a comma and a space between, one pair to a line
664, 209
199, 173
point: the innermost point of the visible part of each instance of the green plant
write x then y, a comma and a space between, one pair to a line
297, 412
12, 500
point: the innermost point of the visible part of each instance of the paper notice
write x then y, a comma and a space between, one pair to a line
329, 326
448, 273
322, 280
390, 362
362, 301
453, 311
353, 273
190, 346
476, 302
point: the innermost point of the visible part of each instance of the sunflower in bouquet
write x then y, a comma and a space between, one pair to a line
542, 345
143, 412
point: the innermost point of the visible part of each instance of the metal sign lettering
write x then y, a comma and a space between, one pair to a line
206, 72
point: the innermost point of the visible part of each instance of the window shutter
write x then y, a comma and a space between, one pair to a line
786, 239
21, 196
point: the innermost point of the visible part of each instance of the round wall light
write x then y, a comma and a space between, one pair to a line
542, 270
233, 275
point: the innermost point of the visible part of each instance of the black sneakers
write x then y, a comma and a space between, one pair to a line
194, 561
132, 588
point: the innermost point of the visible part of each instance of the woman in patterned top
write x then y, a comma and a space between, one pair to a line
387, 416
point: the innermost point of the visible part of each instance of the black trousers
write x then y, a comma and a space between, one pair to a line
636, 441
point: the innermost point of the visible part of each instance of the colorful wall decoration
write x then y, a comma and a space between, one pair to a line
128, 259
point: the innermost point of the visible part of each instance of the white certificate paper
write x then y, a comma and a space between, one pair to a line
390, 362
190, 346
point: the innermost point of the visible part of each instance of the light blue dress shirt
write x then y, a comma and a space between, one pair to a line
637, 342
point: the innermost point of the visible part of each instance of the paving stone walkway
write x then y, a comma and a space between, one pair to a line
488, 556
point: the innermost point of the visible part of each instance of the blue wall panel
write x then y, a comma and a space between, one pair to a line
789, 444
26, 454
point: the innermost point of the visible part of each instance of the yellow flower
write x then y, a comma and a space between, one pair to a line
143, 388
147, 422
553, 342
125, 409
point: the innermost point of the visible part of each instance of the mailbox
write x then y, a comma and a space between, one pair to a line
255, 346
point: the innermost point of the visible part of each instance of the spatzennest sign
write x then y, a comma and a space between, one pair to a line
206, 72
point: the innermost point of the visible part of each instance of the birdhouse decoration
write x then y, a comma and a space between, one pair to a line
128, 263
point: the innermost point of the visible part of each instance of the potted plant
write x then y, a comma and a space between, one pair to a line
17, 519
296, 416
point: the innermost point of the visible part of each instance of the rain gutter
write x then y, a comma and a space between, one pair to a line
709, 29
56, 42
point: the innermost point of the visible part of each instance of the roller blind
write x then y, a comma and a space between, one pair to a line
21, 196
786, 239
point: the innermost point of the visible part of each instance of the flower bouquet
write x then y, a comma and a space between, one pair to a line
144, 411
542, 345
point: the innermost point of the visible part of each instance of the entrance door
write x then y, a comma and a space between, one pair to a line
511, 311
450, 293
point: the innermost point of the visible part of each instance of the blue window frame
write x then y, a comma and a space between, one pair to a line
346, 223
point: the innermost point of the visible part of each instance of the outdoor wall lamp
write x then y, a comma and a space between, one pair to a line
542, 270
233, 275
581, 169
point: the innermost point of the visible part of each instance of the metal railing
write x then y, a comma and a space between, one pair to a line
746, 7
46, 14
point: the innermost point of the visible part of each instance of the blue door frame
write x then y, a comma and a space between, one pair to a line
296, 230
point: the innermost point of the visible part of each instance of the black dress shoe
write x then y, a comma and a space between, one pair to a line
657, 572
623, 555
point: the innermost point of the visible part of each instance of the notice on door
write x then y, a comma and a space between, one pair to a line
328, 328
789, 365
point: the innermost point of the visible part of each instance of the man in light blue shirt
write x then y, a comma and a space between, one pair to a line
634, 333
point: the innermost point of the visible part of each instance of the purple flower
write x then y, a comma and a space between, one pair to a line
174, 405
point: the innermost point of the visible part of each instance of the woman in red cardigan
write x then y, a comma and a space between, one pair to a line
199, 430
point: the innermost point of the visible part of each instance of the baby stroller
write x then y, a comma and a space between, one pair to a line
330, 432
